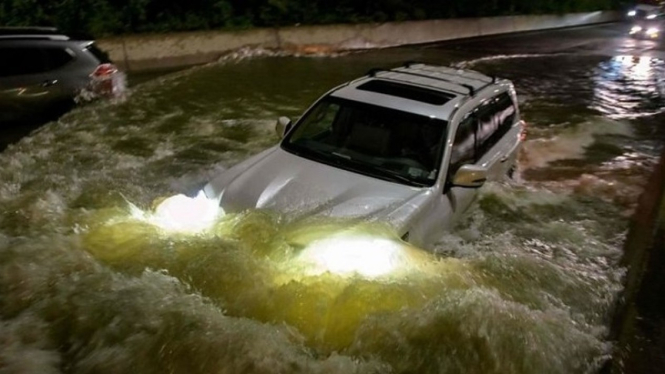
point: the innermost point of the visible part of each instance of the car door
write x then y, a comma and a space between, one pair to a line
484, 137
448, 202
464, 151
27, 88
500, 150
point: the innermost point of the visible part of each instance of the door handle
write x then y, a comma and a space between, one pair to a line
49, 82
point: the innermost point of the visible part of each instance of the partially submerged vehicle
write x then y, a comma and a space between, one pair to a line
408, 146
648, 28
43, 70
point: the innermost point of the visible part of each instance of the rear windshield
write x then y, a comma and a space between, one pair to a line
102, 56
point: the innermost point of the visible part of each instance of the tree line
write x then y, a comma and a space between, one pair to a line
99, 18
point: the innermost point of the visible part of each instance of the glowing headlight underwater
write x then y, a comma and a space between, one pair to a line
651, 32
349, 254
183, 214
632, 13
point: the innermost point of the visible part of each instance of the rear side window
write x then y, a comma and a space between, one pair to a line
495, 119
25, 61
100, 55
480, 130
57, 57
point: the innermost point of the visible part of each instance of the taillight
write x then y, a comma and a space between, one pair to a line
523, 130
104, 70
103, 80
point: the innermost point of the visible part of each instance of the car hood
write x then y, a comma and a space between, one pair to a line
278, 180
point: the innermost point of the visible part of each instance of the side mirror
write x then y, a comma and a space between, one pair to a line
282, 126
471, 176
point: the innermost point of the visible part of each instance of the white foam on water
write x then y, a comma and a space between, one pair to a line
470, 63
24, 347
570, 143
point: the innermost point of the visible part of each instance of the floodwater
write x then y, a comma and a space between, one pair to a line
526, 283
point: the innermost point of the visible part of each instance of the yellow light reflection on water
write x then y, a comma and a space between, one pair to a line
347, 254
327, 280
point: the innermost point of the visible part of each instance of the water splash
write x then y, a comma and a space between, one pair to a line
497, 58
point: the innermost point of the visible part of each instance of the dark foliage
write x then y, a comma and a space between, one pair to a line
111, 17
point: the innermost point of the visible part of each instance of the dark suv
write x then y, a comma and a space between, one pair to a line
43, 71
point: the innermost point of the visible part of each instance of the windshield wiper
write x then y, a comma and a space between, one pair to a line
377, 170
341, 160
346, 157
396, 176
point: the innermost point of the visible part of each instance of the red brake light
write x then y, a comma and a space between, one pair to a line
523, 131
104, 70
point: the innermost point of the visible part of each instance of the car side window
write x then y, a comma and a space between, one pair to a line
487, 125
57, 57
464, 144
495, 120
22, 61
320, 123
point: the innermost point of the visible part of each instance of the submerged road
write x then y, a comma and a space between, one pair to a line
526, 283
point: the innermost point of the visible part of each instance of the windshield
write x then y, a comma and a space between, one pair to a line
384, 143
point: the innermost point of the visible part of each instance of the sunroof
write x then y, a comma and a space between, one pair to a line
406, 91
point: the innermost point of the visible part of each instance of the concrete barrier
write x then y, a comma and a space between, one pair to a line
142, 52
638, 328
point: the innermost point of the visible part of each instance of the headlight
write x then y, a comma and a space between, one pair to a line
653, 31
632, 13
635, 29
180, 213
651, 16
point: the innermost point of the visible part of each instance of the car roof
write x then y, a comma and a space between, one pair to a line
429, 90
31, 33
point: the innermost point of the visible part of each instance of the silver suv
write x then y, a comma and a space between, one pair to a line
42, 70
408, 146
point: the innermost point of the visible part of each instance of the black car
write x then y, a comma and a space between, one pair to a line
43, 70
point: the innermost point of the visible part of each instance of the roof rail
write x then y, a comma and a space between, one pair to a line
29, 30
407, 64
493, 78
471, 89
34, 37
372, 72
43, 33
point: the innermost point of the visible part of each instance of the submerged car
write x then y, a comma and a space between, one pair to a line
409, 146
43, 70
